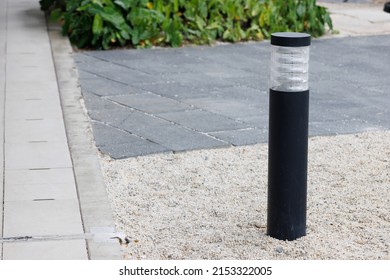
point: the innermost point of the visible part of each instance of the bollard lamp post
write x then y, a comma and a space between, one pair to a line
288, 135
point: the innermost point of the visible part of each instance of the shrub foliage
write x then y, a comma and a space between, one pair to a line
143, 23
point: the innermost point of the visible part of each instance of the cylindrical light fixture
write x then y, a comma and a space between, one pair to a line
288, 135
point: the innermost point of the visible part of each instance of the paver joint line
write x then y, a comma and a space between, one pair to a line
170, 121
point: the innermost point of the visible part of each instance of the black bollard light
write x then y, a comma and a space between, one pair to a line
386, 8
288, 135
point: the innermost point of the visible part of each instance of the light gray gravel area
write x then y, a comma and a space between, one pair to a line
212, 204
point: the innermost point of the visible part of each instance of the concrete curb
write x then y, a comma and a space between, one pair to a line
94, 205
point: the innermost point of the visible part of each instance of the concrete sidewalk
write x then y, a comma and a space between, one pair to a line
46, 211
357, 18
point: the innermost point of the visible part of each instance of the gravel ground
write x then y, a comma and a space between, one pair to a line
211, 204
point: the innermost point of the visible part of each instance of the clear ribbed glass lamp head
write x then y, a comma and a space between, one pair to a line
289, 61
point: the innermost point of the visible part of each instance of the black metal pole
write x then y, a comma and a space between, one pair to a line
287, 162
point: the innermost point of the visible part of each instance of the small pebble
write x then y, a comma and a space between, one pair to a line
279, 249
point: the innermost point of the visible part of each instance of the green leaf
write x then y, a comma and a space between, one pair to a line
301, 10
176, 40
226, 34
125, 35
97, 27
200, 23
135, 37
111, 15
328, 20
214, 25
56, 15
125, 4
175, 6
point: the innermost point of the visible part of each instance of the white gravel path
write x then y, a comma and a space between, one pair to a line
211, 204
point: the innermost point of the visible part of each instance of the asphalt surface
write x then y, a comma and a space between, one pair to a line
170, 100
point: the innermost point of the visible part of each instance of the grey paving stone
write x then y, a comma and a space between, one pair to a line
377, 117
377, 92
117, 73
113, 55
159, 69
345, 126
186, 85
179, 139
380, 118
105, 110
135, 58
93, 66
214, 70
137, 122
242, 137
107, 135
133, 148
203, 121
243, 94
255, 81
166, 134
104, 87
235, 60
83, 57
224, 106
204, 79
151, 103
348, 93
113, 117
176, 90
84, 76
120, 144
259, 121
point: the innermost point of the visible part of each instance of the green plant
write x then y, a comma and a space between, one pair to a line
52, 4
96, 23
295, 16
143, 23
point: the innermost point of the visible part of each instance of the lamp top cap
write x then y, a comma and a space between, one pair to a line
290, 39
